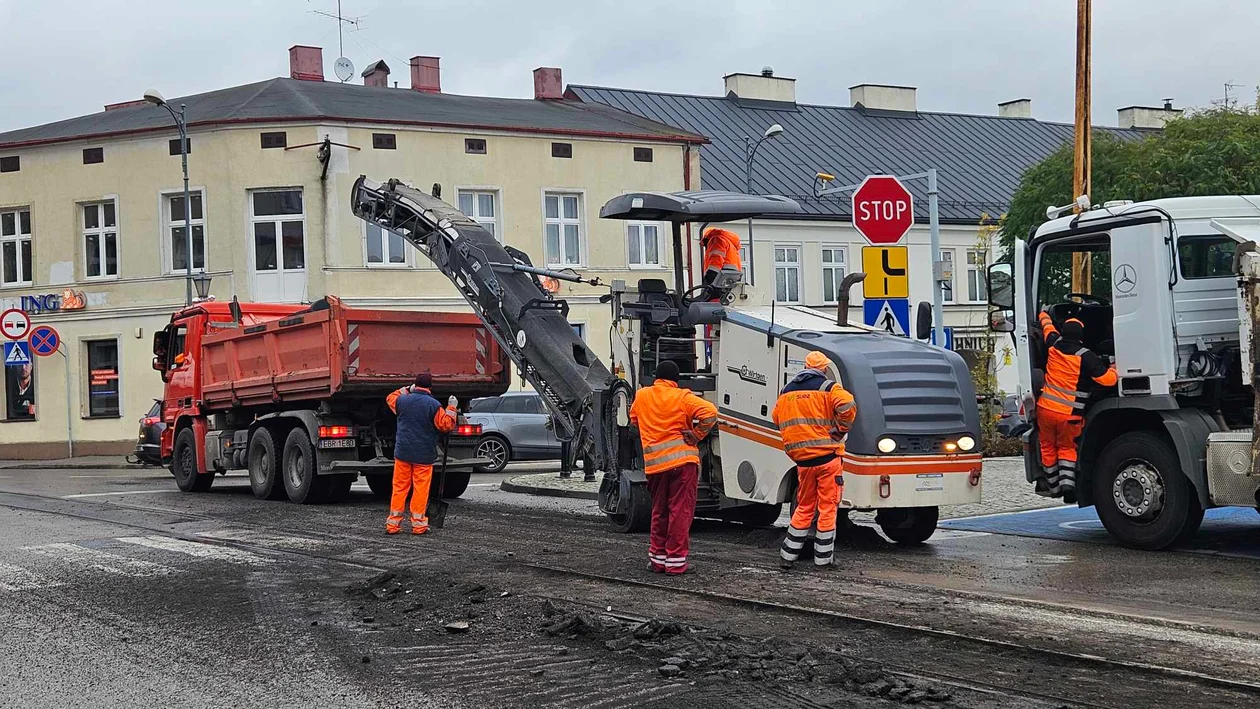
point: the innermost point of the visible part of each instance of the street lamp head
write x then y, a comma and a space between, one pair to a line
202, 283
154, 97
773, 131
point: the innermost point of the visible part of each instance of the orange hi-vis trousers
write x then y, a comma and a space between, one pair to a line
413, 478
1058, 433
819, 489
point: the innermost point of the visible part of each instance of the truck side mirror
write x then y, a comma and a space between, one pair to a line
157, 364
1001, 286
1002, 320
923, 321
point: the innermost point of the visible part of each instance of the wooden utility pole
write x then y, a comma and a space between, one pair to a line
1082, 271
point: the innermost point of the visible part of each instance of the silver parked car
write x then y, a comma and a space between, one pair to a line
514, 426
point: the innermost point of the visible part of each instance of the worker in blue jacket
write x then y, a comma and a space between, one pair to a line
421, 421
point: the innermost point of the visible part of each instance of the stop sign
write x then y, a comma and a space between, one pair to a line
883, 210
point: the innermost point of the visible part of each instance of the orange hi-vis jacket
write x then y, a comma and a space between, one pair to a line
1072, 372
670, 421
813, 414
721, 249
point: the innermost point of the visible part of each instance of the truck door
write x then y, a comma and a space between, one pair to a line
1141, 276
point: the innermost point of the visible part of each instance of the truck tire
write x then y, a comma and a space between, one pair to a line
301, 483
456, 484
1142, 497
908, 525
497, 449
263, 462
754, 515
184, 464
637, 515
382, 486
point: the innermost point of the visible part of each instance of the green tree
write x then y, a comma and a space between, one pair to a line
1212, 151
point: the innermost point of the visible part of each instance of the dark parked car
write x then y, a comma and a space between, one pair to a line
149, 445
1005, 412
514, 426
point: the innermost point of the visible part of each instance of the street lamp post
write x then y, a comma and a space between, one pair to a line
155, 98
750, 154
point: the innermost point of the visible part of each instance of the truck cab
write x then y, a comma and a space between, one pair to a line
1154, 285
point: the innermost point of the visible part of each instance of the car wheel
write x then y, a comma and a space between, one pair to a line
497, 450
1141, 495
300, 481
263, 462
184, 464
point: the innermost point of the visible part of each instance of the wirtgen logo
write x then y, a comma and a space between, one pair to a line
748, 375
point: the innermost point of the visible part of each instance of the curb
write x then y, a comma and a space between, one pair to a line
539, 491
52, 465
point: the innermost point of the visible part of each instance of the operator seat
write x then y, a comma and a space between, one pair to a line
678, 345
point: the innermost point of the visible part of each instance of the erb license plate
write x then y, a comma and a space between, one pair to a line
338, 443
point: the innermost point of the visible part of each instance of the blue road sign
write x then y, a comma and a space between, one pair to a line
949, 337
892, 315
44, 341
16, 354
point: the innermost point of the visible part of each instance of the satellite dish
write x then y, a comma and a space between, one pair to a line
343, 68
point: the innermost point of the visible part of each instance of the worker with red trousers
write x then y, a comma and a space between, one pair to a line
421, 422
1072, 373
671, 422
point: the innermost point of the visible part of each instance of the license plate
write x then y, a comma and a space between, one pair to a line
338, 443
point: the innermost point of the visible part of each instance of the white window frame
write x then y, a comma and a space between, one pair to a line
562, 221
660, 246
579, 328
100, 231
86, 367
976, 275
170, 222
744, 259
788, 266
408, 261
496, 194
17, 238
840, 269
276, 219
949, 295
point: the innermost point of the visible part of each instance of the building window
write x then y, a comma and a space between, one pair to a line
15, 247
787, 274
11, 163
744, 260
93, 156
102, 364
947, 275
100, 240
177, 236
475, 146
643, 241
579, 329
384, 141
833, 270
19, 393
563, 234
278, 139
174, 146
278, 213
385, 248
482, 206
643, 155
975, 277
562, 150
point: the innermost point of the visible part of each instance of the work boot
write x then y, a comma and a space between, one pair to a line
421, 528
588, 478
565, 475
392, 529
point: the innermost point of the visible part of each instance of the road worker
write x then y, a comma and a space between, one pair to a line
721, 250
1072, 372
421, 421
671, 422
814, 413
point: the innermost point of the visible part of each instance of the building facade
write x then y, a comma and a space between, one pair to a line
92, 237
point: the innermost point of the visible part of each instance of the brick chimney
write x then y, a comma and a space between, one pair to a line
306, 63
425, 75
377, 74
548, 85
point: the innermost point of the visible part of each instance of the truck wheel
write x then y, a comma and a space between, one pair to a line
1142, 497
300, 481
184, 464
456, 484
637, 515
754, 515
908, 525
263, 461
497, 450
382, 486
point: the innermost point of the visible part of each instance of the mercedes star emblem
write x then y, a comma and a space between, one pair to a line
1126, 278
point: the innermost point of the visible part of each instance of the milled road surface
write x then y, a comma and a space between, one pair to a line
119, 591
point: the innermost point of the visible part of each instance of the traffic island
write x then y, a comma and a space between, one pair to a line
552, 485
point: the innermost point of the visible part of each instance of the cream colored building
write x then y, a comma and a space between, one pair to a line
92, 207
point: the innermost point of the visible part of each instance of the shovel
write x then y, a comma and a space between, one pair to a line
436, 510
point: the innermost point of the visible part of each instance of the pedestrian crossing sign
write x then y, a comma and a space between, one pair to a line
892, 315
16, 354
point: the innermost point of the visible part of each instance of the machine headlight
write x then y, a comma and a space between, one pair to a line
966, 443
886, 445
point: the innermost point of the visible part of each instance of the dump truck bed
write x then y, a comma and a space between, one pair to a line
332, 350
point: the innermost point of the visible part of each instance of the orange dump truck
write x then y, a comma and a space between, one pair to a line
296, 394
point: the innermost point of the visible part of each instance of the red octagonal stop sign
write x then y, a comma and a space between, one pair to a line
883, 210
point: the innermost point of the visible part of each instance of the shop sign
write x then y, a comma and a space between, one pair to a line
68, 299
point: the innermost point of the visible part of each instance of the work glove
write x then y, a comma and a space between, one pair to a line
452, 403
690, 438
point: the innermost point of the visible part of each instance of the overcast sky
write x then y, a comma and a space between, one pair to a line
64, 58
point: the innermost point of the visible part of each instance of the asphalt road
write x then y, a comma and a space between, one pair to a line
119, 591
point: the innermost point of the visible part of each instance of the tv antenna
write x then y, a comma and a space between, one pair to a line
1228, 87
343, 66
